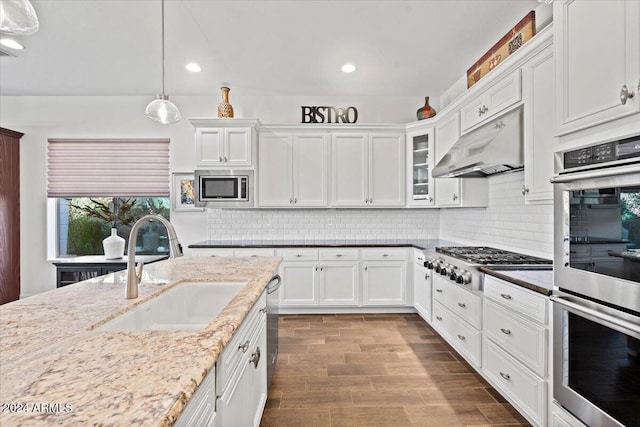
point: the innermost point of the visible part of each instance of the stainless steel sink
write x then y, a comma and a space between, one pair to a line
188, 306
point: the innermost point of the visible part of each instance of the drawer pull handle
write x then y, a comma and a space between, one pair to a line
263, 310
462, 305
212, 256
462, 337
244, 347
255, 358
505, 296
385, 255
439, 291
339, 255
426, 276
438, 317
298, 255
506, 331
505, 376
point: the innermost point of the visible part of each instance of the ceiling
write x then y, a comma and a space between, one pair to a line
259, 48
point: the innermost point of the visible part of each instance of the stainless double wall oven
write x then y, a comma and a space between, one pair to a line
596, 335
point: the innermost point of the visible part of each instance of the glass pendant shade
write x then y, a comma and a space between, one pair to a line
162, 110
17, 17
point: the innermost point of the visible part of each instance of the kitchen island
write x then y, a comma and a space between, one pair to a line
56, 369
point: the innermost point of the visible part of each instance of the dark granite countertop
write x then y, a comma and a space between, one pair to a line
536, 278
587, 240
424, 244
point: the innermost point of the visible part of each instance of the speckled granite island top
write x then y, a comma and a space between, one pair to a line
51, 355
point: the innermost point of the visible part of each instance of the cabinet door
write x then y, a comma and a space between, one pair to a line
232, 407
237, 143
310, 169
275, 185
419, 153
422, 291
384, 283
209, 147
447, 133
298, 283
597, 52
539, 140
386, 170
338, 283
349, 169
257, 371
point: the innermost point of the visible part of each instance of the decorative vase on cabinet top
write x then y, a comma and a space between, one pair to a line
113, 245
225, 110
427, 111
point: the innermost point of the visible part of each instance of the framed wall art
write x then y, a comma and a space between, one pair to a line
183, 193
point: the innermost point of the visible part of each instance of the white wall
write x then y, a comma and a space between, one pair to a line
40, 118
332, 224
507, 223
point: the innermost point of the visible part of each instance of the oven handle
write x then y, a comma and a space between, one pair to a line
589, 174
597, 315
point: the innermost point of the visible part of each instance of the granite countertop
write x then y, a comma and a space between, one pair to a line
588, 240
425, 244
100, 259
50, 352
536, 278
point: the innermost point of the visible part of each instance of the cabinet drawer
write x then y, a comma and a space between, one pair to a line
511, 377
339, 254
298, 254
229, 360
211, 252
464, 303
419, 257
460, 335
523, 339
522, 301
253, 252
384, 254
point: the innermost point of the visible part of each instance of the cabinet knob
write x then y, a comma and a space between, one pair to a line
625, 94
438, 318
525, 190
255, 358
455, 197
291, 200
220, 158
426, 276
439, 291
462, 305
226, 159
295, 200
244, 347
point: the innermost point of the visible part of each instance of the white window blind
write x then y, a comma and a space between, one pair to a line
108, 167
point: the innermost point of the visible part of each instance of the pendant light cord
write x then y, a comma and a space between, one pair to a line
163, 48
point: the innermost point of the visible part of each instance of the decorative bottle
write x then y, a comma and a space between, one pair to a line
113, 245
225, 110
427, 111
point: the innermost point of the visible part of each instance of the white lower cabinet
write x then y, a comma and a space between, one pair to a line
201, 409
338, 283
422, 291
383, 283
515, 354
524, 388
462, 336
298, 283
242, 372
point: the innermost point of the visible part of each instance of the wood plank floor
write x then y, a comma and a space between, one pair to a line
376, 370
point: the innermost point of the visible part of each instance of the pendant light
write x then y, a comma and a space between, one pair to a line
18, 18
161, 109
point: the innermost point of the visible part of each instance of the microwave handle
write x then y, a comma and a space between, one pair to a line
597, 315
589, 174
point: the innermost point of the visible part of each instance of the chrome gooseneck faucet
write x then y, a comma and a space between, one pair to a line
134, 275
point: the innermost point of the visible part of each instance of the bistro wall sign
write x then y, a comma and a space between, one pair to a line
329, 114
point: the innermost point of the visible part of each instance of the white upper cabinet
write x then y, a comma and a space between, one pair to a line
386, 171
539, 140
455, 192
497, 98
597, 57
293, 169
367, 169
224, 143
419, 153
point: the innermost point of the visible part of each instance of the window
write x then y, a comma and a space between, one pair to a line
99, 184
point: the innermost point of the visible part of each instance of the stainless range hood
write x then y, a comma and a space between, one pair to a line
493, 148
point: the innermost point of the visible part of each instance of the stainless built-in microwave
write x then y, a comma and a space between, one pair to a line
224, 188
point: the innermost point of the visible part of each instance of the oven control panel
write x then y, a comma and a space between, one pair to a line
602, 153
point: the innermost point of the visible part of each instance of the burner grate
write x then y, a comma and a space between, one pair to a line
486, 255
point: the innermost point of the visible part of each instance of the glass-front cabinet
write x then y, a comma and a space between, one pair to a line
420, 149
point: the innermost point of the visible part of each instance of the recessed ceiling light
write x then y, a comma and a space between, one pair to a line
11, 44
348, 68
193, 67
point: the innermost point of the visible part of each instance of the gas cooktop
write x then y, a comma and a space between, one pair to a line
486, 255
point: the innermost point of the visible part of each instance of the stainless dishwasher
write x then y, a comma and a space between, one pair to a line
273, 296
